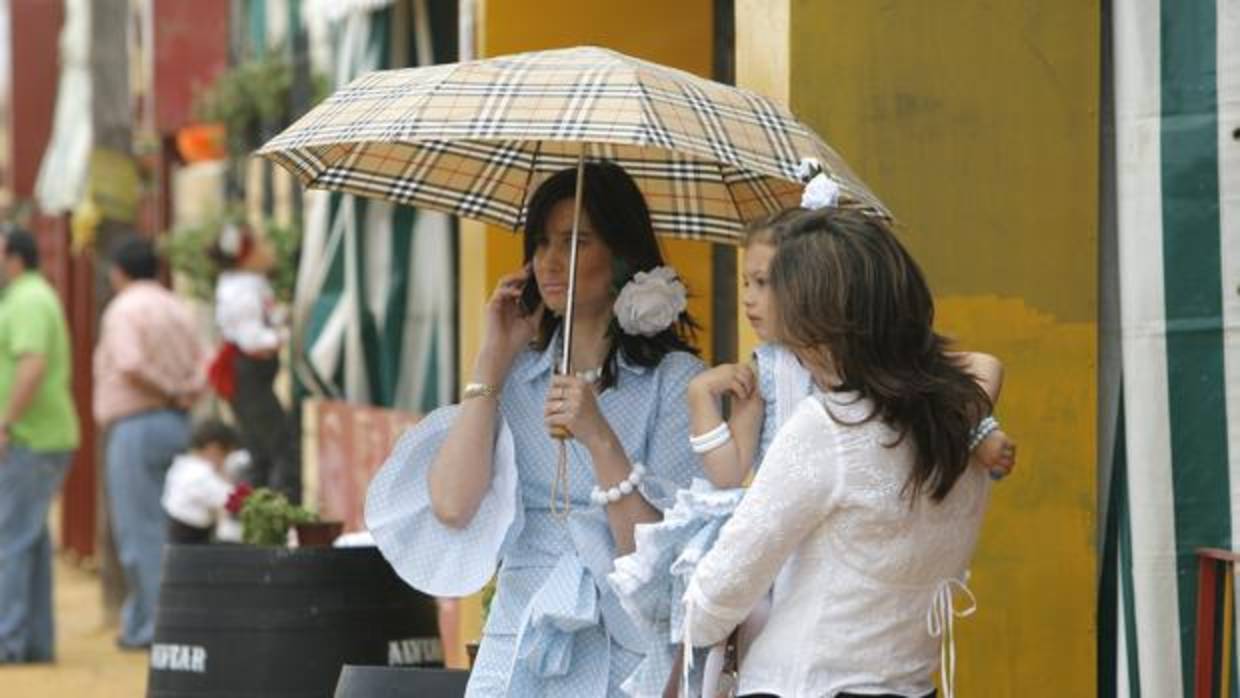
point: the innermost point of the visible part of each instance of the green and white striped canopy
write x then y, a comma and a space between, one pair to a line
1175, 481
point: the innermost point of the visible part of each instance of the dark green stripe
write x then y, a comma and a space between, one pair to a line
1129, 610
1192, 283
430, 398
379, 40
258, 26
396, 314
330, 293
1108, 589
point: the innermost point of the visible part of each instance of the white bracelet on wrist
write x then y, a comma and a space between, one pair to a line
983, 429
705, 443
603, 497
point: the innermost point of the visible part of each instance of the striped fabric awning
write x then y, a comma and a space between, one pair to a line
1175, 481
474, 139
374, 307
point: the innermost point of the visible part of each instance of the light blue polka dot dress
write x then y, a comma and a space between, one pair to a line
555, 627
651, 582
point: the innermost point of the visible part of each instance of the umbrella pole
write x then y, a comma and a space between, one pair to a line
566, 365
561, 502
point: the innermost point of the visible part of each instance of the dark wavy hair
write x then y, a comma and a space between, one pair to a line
136, 258
843, 283
21, 244
621, 219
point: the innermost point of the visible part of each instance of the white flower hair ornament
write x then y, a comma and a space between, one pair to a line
807, 168
231, 240
651, 302
821, 191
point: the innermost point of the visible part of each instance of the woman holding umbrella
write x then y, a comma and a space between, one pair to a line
478, 484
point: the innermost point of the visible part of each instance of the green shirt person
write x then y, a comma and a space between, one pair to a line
36, 399
38, 434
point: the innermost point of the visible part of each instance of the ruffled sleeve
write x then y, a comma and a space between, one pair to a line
429, 555
783, 382
764, 358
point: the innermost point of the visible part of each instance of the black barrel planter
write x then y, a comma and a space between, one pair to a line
256, 622
395, 682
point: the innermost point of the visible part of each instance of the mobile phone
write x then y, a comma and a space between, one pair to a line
530, 298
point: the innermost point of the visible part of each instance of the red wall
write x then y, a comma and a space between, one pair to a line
73, 276
191, 48
34, 31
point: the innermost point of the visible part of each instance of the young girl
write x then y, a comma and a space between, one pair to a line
764, 391
763, 395
865, 507
244, 371
197, 487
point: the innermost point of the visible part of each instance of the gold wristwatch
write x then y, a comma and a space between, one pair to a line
473, 390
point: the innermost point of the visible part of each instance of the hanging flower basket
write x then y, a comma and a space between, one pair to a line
202, 142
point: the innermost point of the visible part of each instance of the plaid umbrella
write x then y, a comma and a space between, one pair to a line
474, 139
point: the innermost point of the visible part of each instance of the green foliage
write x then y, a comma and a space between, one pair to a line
188, 252
286, 239
267, 516
186, 249
250, 95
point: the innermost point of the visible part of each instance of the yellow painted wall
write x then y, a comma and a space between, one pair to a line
976, 122
679, 34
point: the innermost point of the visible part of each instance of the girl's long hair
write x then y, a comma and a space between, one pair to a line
846, 290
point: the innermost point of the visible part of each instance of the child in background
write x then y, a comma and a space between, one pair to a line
244, 371
196, 491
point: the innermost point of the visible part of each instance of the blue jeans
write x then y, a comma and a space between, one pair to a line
28, 481
139, 452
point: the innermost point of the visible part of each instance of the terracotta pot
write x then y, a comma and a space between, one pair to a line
202, 142
320, 534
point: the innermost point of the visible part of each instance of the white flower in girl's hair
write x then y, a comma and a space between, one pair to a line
821, 192
651, 302
230, 240
807, 169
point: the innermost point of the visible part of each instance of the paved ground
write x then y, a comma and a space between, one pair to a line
88, 664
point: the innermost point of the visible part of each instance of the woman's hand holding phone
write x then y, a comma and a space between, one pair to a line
510, 327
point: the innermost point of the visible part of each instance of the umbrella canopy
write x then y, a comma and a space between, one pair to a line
475, 139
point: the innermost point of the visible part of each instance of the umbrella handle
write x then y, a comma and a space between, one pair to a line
561, 502
566, 362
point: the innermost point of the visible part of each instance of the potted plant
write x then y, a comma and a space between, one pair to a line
186, 250
252, 95
267, 516
202, 142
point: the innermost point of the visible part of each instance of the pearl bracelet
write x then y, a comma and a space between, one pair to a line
983, 429
627, 486
705, 443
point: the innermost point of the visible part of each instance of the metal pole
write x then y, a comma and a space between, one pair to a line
566, 359
561, 501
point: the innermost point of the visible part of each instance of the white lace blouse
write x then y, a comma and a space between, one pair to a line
865, 592
246, 311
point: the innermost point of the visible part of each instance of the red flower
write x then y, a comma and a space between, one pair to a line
237, 499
